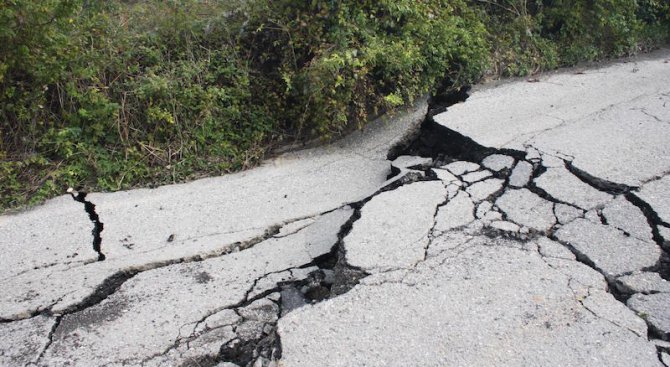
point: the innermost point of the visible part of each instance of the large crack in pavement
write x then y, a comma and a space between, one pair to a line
98, 226
446, 147
332, 277
479, 183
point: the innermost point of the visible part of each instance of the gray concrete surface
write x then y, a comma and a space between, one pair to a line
657, 194
610, 250
393, 230
53, 266
552, 254
528, 209
488, 303
612, 120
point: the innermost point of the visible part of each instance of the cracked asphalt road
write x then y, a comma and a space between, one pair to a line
526, 226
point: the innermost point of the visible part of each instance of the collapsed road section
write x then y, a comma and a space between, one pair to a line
465, 247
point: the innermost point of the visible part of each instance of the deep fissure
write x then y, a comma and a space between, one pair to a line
445, 145
432, 140
98, 226
599, 183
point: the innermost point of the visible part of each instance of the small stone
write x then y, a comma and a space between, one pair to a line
654, 309
566, 213
498, 162
329, 276
643, 282
407, 161
521, 174
528, 209
456, 213
549, 248
481, 190
476, 176
461, 167
665, 358
446, 176
505, 226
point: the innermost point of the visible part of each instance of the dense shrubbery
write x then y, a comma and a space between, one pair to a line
113, 94
538, 35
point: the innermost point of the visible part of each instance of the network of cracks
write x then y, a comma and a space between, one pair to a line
540, 202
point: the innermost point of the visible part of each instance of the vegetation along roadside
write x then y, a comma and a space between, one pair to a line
109, 95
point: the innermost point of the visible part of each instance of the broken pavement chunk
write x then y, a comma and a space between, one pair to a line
394, 225
566, 187
446, 176
483, 208
549, 248
622, 214
23, 341
171, 301
528, 209
498, 162
643, 282
58, 232
492, 216
657, 195
482, 190
476, 176
459, 310
606, 306
457, 212
521, 174
654, 309
608, 248
566, 213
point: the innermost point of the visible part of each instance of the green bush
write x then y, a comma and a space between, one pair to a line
113, 94
333, 62
538, 35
